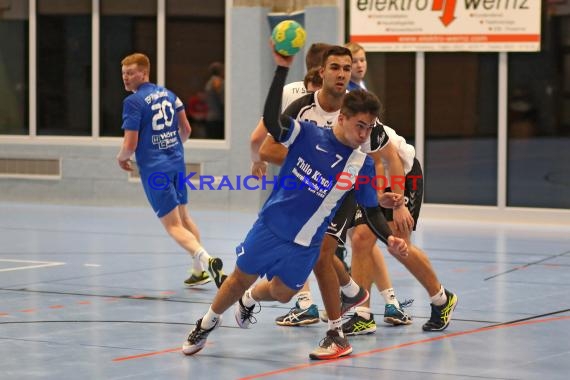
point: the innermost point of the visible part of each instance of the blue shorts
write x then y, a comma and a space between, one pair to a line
265, 254
163, 191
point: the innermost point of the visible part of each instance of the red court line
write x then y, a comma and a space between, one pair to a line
362, 354
413, 343
122, 359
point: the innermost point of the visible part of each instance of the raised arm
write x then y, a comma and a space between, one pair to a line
277, 125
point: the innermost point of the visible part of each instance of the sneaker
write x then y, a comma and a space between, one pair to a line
244, 315
331, 347
441, 315
197, 338
396, 315
358, 325
298, 317
201, 279
347, 303
215, 265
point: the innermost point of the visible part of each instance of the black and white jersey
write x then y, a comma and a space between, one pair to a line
308, 109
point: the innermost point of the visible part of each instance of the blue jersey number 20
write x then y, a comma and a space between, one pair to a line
163, 115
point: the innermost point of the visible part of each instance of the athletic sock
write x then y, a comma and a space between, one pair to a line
304, 299
440, 298
390, 297
351, 289
202, 256
210, 319
247, 298
336, 325
364, 312
197, 267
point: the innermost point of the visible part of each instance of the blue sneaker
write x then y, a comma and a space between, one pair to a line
299, 317
396, 316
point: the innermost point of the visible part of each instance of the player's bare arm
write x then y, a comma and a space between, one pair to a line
184, 128
130, 142
403, 220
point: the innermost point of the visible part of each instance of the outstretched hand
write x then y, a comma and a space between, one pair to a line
258, 169
397, 247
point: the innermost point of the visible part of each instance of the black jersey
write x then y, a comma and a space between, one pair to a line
308, 109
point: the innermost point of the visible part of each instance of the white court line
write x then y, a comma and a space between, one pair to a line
41, 264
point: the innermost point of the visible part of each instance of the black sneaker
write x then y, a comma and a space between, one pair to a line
347, 303
441, 315
215, 265
201, 279
358, 325
244, 315
197, 338
331, 347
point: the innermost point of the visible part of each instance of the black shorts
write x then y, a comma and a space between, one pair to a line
413, 193
343, 219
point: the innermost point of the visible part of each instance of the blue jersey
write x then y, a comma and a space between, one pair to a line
308, 194
152, 111
354, 86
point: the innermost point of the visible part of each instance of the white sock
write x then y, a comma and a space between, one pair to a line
210, 319
364, 312
351, 289
440, 298
390, 297
202, 256
247, 299
304, 299
197, 267
337, 326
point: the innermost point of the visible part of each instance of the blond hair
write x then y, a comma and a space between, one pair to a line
140, 59
353, 47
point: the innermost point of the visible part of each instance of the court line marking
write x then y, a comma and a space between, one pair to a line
40, 264
525, 266
362, 354
403, 345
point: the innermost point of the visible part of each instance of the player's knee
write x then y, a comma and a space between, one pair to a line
281, 293
363, 239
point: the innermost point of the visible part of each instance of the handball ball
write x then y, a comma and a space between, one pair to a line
288, 37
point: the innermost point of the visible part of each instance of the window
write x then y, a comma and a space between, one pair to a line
64, 67
391, 76
14, 68
195, 39
126, 27
539, 118
461, 128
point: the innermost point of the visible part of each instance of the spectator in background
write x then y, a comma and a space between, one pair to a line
215, 100
359, 66
197, 111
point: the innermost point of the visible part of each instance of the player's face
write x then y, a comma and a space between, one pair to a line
336, 74
359, 66
356, 129
133, 76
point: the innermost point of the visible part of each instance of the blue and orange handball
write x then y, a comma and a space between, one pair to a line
288, 37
